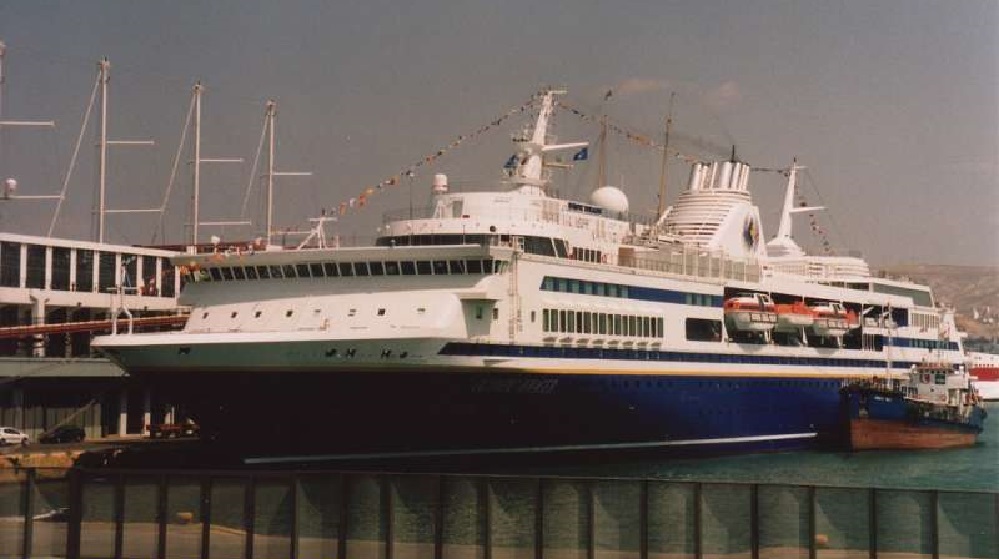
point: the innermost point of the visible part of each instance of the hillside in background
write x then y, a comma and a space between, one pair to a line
965, 288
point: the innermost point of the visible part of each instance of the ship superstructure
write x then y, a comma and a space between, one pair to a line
513, 319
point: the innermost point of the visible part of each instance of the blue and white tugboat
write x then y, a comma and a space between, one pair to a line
504, 318
933, 406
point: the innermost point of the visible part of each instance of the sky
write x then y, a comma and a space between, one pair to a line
892, 105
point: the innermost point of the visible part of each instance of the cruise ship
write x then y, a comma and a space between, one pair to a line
511, 320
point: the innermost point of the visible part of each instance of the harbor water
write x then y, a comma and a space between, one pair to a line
974, 469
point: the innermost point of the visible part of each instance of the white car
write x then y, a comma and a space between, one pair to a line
9, 435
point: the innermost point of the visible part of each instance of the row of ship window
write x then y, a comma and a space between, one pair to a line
585, 322
617, 290
568, 285
349, 269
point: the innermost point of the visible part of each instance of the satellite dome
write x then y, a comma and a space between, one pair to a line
610, 198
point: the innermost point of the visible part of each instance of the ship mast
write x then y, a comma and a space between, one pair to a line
531, 151
663, 172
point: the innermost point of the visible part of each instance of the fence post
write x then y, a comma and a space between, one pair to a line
119, 515
75, 514
439, 519
206, 516
643, 520
386, 506
812, 512
872, 549
590, 521
250, 512
698, 523
539, 520
754, 520
341, 543
293, 552
161, 517
935, 519
29, 512
484, 517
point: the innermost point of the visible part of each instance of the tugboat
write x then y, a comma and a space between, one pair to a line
935, 406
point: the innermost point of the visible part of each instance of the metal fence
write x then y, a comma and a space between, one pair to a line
318, 515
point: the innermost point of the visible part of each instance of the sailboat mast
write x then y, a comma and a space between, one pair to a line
104, 68
663, 171
271, 105
196, 197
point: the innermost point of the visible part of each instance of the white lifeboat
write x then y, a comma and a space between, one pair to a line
751, 312
792, 317
832, 319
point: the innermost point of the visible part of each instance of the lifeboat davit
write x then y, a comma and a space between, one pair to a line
832, 319
754, 312
792, 317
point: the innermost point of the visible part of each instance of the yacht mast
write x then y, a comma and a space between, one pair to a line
271, 173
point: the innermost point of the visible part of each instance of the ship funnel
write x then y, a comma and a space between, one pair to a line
440, 184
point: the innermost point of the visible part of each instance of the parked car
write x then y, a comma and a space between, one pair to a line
64, 434
9, 435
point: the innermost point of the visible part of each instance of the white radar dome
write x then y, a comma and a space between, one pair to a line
610, 198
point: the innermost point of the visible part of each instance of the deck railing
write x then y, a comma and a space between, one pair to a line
311, 515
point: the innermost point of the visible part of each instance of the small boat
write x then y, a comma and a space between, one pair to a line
750, 312
832, 319
792, 317
934, 406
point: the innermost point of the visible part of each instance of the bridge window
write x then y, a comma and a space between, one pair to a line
251, 273
703, 330
35, 272
408, 268
440, 267
60, 268
377, 269
215, 273
263, 272
226, 273
360, 268
10, 264
391, 268
346, 270
84, 270
457, 267
276, 272
474, 266
289, 271
423, 268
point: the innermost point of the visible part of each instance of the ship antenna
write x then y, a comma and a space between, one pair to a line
663, 173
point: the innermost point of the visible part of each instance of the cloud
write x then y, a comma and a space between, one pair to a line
725, 96
635, 86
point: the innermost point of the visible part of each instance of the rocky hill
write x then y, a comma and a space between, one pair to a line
963, 287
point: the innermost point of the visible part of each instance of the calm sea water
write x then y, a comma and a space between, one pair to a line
975, 468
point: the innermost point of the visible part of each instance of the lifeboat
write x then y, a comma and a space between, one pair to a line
754, 312
792, 317
832, 319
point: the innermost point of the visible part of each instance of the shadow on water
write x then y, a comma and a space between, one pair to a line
975, 468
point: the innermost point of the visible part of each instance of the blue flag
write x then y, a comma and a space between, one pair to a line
511, 163
581, 155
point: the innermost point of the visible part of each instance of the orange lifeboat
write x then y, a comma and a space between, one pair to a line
751, 312
832, 319
792, 317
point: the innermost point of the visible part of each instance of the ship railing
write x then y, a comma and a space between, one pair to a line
80, 512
